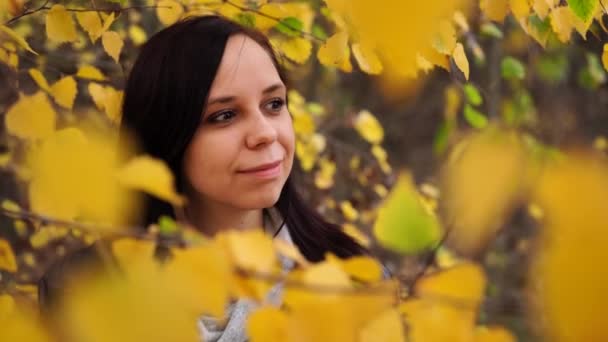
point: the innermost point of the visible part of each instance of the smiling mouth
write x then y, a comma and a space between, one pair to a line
264, 171
263, 167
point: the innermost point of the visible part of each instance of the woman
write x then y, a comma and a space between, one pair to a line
208, 96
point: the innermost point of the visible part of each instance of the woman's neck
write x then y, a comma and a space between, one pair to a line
211, 218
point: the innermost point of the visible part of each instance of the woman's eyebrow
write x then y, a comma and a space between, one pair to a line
226, 99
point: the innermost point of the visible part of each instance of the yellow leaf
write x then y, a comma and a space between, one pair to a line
64, 91
562, 22
573, 194
324, 178
495, 10
388, 327
297, 49
7, 257
482, 182
438, 320
202, 277
73, 177
493, 334
460, 58
107, 22
289, 250
137, 34
334, 52
368, 127
445, 40
98, 94
605, 56
91, 23
520, 8
39, 79
113, 105
114, 308
10, 205
152, 176
272, 10
464, 284
112, 44
252, 250
367, 58
362, 268
355, 233
60, 26
7, 306
90, 72
259, 330
5, 158
128, 251
541, 7
20, 324
350, 213
169, 11
18, 39
32, 117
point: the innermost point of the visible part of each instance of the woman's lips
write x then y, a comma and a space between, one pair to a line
265, 171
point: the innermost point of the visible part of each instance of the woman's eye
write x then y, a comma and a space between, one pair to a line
275, 105
222, 117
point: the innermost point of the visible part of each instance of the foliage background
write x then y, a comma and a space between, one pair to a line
535, 67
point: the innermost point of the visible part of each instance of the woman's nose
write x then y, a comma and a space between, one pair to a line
261, 131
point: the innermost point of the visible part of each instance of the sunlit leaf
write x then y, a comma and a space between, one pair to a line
572, 248
482, 181
584, 9
8, 262
495, 10
32, 117
368, 127
18, 39
64, 92
152, 176
387, 327
460, 58
367, 58
403, 224
112, 44
60, 25
169, 11
91, 23
90, 72
39, 78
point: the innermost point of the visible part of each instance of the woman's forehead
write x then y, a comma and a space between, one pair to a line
245, 64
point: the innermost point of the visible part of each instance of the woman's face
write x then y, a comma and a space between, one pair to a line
242, 153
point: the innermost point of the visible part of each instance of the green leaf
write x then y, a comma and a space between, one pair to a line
246, 19
475, 118
512, 69
491, 30
584, 9
290, 26
593, 75
167, 225
553, 68
440, 143
319, 32
472, 95
403, 224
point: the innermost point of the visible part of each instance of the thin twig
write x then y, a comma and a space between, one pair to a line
26, 13
116, 9
277, 19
